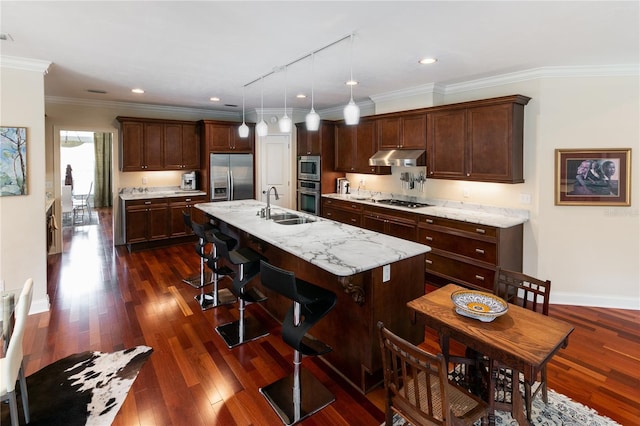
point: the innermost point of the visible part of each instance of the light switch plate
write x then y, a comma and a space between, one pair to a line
386, 273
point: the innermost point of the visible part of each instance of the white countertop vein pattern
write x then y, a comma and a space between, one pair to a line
341, 249
143, 193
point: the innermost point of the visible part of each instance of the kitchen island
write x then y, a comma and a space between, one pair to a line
373, 275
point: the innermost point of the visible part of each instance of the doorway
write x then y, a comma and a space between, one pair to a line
275, 169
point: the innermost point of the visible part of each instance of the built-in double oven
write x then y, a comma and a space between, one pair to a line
309, 184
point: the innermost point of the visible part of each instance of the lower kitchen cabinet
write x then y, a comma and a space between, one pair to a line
342, 211
158, 221
391, 222
467, 253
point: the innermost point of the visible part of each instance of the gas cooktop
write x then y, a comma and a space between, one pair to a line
403, 203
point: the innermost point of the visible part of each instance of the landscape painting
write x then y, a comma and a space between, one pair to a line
13, 161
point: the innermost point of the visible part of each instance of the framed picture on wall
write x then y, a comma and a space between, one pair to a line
593, 177
13, 161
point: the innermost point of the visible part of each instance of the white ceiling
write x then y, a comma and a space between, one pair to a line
182, 53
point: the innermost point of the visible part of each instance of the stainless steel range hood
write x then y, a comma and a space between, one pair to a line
399, 157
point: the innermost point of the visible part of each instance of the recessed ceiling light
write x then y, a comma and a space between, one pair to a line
214, 99
301, 96
137, 90
351, 83
426, 61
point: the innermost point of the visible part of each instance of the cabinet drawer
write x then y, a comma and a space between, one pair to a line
473, 228
344, 216
462, 272
146, 202
340, 204
484, 251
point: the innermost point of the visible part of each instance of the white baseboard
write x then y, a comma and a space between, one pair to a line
560, 298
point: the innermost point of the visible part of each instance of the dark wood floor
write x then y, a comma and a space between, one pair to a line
104, 299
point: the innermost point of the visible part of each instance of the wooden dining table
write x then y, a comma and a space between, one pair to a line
520, 339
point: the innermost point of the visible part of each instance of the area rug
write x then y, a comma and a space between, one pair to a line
82, 389
560, 411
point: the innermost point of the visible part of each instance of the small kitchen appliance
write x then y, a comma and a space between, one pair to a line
188, 182
342, 186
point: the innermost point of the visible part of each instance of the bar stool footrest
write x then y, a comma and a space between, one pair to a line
253, 295
194, 281
206, 301
314, 396
230, 332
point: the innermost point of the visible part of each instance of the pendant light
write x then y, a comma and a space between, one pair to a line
351, 110
312, 119
285, 122
261, 128
243, 130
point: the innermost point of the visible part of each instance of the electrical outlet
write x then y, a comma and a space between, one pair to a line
362, 183
144, 180
386, 273
1, 285
466, 193
525, 198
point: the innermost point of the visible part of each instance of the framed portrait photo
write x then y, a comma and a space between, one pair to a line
593, 177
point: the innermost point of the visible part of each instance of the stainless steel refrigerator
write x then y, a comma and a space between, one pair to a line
231, 177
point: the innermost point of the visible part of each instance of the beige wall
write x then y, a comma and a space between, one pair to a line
23, 251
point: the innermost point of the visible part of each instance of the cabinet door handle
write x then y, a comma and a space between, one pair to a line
147, 202
480, 231
353, 219
429, 220
479, 251
429, 261
429, 238
188, 200
329, 214
480, 277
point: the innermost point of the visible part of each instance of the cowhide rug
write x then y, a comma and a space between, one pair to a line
82, 389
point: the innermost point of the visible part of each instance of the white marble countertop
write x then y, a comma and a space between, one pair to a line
341, 249
499, 217
142, 193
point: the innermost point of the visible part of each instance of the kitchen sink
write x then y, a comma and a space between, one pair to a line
290, 219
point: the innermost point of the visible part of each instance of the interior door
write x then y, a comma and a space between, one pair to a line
275, 169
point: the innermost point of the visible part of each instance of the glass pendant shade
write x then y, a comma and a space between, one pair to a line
285, 123
351, 113
243, 130
312, 120
262, 129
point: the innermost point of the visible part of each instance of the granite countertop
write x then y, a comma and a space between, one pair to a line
341, 249
499, 217
143, 193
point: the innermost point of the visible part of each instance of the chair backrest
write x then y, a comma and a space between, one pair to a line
66, 199
522, 290
279, 280
13, 359
27, 291
414, 381
186, 218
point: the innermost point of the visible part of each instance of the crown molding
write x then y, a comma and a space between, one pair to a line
25, 64
208, 113
424, 89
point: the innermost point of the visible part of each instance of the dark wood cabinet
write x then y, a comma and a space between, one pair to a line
181, 147
468, 253
151, 144
146, 220
406, 131
309, 143
176, 206
342, 211
355, 145
388, 221
221, 136
479, 140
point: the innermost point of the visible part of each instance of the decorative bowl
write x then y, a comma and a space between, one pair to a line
478, 305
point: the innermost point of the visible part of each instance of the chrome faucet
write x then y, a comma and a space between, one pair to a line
268, 192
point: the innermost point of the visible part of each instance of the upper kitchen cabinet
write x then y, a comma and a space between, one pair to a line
181, 146
355, 145
316, 142
151, 144
479, 140
407, 131
222, 136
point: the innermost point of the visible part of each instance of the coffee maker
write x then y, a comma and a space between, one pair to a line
188, 182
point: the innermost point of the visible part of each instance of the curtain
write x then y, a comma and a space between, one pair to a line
102, 196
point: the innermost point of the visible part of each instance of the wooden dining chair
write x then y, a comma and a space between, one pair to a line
530, 293
417, 388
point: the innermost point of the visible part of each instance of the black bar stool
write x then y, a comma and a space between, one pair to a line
247, 263
300, 394
205, 278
